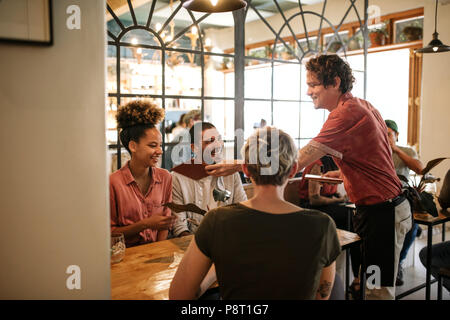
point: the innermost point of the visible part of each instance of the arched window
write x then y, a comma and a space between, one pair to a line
218, 64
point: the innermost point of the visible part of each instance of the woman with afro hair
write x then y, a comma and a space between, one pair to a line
139, 189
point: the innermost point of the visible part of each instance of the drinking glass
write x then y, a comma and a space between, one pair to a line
117, 247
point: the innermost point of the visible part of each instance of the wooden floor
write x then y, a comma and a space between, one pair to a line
415, 275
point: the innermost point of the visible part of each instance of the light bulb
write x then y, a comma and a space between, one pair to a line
194, 30
214, 2
139, 50
208, 42
158, 26
134, 41
435, 49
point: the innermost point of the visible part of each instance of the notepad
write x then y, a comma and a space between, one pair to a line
322, 179
191, 170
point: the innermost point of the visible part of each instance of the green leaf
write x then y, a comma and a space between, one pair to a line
427, 202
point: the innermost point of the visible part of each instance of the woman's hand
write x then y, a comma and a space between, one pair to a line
157, 222
225, 168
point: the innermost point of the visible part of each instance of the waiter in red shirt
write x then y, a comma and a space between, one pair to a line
355, 135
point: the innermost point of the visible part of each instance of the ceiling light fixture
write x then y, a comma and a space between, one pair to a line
435, 45
214, 5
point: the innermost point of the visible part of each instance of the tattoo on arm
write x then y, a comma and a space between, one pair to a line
307, 150
324, 289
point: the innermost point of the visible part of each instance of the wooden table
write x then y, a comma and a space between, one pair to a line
146, 271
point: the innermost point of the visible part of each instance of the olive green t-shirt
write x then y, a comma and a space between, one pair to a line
259, 255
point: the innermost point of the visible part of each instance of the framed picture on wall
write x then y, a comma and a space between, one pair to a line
26, 21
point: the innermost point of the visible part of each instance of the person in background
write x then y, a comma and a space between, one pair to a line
405, 159
265, 247
356, 136
180, 143
139, 189
180, 126
200, 192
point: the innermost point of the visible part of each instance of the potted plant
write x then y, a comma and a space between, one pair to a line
378, 37
412, 33
422, 200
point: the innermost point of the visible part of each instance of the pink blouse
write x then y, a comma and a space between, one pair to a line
128, 205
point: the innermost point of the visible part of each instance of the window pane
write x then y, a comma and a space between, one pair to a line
358, 85
283, 52
303, 86
311, 120
303, 142
111, 59
286, 80
219, 78
258, 81
332, 43
111, 123
408, 30
212, 41
113, 27
140, 71
393, 103
286, 117
221, 114
184, 78
140, 36
254, 112
259, 52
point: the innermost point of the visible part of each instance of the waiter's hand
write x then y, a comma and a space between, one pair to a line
225, 168
333, 174
391, 139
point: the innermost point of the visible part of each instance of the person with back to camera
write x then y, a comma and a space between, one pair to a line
139, 189
405, 159
264, 247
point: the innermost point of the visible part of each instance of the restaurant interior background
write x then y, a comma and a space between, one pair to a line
57, 157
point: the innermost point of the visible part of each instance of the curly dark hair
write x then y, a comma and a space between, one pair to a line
328, 67
135, 117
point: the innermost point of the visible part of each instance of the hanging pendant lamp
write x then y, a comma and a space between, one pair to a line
214, 5
435, 45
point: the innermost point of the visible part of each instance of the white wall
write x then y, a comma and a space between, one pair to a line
435, 124
54, 204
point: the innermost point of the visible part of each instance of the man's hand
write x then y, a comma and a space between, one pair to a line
340, 198
157, 222
185, 233
333, 174
225, 168
392, 141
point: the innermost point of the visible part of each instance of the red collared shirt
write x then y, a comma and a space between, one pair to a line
129, 205
356, 136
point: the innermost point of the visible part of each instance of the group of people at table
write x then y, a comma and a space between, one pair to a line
266, 247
